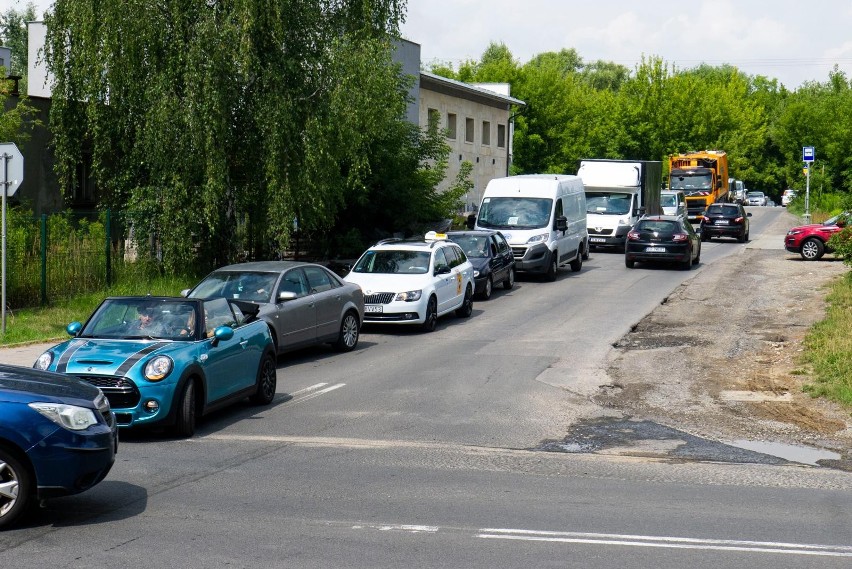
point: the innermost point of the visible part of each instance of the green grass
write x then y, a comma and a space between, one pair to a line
48, 323
828, 347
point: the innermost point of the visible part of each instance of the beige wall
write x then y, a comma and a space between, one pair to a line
489, 160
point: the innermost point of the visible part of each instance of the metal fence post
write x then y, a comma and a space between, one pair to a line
108, 250
43, 259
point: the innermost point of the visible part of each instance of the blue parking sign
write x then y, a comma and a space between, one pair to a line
807, 154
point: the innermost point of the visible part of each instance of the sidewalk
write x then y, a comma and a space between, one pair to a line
23, 355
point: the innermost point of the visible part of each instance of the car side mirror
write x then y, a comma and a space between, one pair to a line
561, 223
748, 214
443, 270
286, 295
222, 334
185, 292
471, 221
74, 328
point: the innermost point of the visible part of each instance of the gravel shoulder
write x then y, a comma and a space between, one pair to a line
717, 359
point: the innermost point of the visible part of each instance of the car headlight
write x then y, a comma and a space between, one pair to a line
538, 238
410, 296
158, 368
476, 274
68, 416
793, 232
44, 361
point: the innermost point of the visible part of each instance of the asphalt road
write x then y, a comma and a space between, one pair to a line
416, 451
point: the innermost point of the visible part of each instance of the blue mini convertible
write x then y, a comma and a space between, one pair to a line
166, 361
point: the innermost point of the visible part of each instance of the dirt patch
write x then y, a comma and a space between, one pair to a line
718, 358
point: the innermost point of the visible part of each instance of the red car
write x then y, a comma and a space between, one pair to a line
811, 241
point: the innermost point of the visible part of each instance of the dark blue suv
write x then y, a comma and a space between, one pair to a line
57, 437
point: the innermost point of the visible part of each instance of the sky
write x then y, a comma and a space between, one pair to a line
791, 41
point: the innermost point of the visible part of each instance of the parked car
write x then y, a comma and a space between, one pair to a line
756, 198
303, 303
725, 220
666, 238
673, 202
491, 257
57, 437
788, 196
414, 282
166, 361
811, 241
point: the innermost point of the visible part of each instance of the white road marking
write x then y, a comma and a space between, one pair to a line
311, 388
314, 394
668, 542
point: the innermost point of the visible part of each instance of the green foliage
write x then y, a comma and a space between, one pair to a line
220, 124
829, 349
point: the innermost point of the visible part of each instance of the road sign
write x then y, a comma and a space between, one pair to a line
808, 154
13, 168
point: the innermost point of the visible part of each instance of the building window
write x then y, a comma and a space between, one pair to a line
468, 130
451, 126
433, 118
486, 133
501, 136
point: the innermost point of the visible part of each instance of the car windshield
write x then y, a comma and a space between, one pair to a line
472, 245
666, 200
394, 261
143, 318
608, 203
256, 286
755, 194
692, 183
515, 213
842, 218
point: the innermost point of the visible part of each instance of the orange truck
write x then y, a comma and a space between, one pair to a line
703, 178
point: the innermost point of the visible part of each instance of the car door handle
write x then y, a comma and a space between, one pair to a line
244, 343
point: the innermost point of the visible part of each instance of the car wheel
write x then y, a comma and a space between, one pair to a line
349, 331
577, 263
746, 237
629, 263
510, 279
812, 249
585, 252
267, 381
431, 315
185, 419
687, 263
550, 275
466, 309
489, 288
16, 488
698, 256
742, 237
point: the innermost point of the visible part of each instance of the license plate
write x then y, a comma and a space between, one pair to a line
722, 222
655, 249
597, 240
373, 308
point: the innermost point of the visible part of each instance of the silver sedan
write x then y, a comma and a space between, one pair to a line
303, 303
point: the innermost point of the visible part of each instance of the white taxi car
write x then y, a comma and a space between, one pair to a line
414, 282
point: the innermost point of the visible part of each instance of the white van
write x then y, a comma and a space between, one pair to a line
673, 202
542, 216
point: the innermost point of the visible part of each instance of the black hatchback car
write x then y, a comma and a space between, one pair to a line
491, 257
725, 220
663, 238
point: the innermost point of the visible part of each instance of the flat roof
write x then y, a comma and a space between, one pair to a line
457, 88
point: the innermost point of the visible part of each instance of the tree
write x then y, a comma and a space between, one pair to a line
206, 119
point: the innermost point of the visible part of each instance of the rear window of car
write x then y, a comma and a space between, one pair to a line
659, 225
722, 209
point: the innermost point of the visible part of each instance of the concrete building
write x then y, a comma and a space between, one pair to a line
477, 119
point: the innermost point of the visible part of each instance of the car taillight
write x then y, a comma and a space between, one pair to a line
633, 236
738, 220
678, 237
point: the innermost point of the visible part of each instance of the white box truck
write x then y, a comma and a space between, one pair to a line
542, 216
618, 193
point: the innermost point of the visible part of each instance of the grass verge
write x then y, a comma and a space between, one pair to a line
44, 324
828, 347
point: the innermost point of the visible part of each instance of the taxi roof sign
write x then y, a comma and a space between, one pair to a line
434, 236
